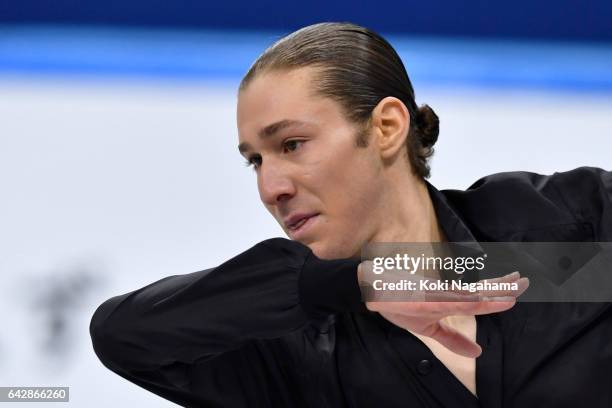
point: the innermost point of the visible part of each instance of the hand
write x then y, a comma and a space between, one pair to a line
425, 317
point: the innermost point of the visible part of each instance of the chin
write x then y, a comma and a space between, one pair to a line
327, 250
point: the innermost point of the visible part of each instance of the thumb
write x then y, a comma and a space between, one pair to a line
453, 340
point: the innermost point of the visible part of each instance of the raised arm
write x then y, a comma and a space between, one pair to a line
158, 335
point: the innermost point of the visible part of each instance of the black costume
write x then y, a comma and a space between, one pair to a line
277, 327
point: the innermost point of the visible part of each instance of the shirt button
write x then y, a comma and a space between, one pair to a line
424, 367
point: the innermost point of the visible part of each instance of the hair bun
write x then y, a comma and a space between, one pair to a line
428, 126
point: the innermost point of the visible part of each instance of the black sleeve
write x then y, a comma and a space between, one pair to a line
156, 335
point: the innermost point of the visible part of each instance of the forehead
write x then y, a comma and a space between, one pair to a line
280, 96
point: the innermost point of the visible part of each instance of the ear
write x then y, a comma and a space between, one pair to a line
390, 124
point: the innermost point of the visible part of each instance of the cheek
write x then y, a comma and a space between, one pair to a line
354, 184
352, 191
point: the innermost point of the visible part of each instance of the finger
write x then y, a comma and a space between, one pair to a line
446, 296
508, 278
438, 310
466, 296
511, 277
522, 284
447, 336
424, 310
453, 340
487, 306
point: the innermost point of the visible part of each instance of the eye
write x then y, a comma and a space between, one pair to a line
292, 145
254, 161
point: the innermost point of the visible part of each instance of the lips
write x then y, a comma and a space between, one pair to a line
295, 221
298, 224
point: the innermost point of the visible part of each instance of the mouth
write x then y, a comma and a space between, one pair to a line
299, 224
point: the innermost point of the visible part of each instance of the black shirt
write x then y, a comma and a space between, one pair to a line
277, 327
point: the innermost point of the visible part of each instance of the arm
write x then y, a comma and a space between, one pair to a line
155, 336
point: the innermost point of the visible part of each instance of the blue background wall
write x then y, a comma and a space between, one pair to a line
545, 19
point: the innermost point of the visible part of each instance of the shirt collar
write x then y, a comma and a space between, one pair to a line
453, 226
456, 231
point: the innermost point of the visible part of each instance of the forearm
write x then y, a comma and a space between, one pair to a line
268, 291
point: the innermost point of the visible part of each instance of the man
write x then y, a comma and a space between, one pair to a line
328, 119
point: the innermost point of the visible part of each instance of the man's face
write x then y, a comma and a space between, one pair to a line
322, 189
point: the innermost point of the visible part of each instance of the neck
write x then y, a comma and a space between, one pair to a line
409, 215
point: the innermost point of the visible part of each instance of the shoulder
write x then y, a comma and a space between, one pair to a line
502, 205
585, 189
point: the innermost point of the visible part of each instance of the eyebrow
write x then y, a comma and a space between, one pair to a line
270, 131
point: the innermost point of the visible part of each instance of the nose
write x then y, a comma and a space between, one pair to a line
274, 183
